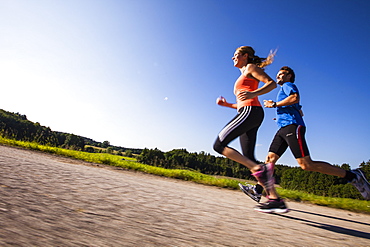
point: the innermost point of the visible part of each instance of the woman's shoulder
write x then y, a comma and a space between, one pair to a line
252, 67
249, 69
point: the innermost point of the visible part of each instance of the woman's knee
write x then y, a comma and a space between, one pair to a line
218, 147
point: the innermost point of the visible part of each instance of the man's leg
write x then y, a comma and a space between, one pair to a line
306, 163
355, 177
275, 204
255, 191
277, 146
272, 158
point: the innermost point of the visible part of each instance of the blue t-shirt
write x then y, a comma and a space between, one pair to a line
287, 115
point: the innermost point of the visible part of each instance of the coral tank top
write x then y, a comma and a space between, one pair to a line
242, 84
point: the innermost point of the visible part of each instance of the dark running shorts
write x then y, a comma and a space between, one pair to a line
292, 136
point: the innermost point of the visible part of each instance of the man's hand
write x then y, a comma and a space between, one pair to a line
268, 103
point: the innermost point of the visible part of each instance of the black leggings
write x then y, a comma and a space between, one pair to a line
244, 125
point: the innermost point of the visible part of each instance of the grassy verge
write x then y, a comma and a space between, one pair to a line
130, 163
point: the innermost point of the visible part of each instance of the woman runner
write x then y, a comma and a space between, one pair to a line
249, 112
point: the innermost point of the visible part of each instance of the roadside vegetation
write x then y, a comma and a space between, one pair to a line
317, 188
131, 163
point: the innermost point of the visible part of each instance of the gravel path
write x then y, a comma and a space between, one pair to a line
47, 200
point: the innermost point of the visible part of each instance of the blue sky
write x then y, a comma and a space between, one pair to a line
146, 73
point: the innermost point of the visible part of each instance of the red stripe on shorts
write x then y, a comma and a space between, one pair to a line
300, 142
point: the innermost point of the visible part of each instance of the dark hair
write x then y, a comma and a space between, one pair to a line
252, 58
290, 71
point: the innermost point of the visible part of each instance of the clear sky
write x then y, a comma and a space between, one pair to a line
146, 73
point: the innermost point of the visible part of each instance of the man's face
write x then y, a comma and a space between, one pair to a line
283, 76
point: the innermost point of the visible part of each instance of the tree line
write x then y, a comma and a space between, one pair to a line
16, 126
293, 178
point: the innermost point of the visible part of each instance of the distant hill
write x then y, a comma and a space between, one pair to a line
17, 126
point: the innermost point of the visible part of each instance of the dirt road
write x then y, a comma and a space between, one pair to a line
51, 201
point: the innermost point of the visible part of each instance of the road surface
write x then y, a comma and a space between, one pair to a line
47, 200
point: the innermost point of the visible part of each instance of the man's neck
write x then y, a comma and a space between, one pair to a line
281, 82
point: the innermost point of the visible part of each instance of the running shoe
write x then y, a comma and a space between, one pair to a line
361, 183
265, 175
272, 206
250, 190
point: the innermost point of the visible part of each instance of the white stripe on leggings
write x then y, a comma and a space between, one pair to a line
234, 124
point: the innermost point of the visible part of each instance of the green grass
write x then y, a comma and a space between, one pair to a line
130, 163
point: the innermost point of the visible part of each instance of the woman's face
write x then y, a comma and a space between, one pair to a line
239, 59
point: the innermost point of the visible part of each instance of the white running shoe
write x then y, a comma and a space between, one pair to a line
250, 190
361, 183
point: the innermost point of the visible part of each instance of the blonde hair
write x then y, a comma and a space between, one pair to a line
252, 58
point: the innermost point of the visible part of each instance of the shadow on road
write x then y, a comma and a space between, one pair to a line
329, 227
331, 217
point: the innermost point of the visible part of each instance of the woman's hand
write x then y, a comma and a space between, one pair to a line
253, 71
245, 95
221, 101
